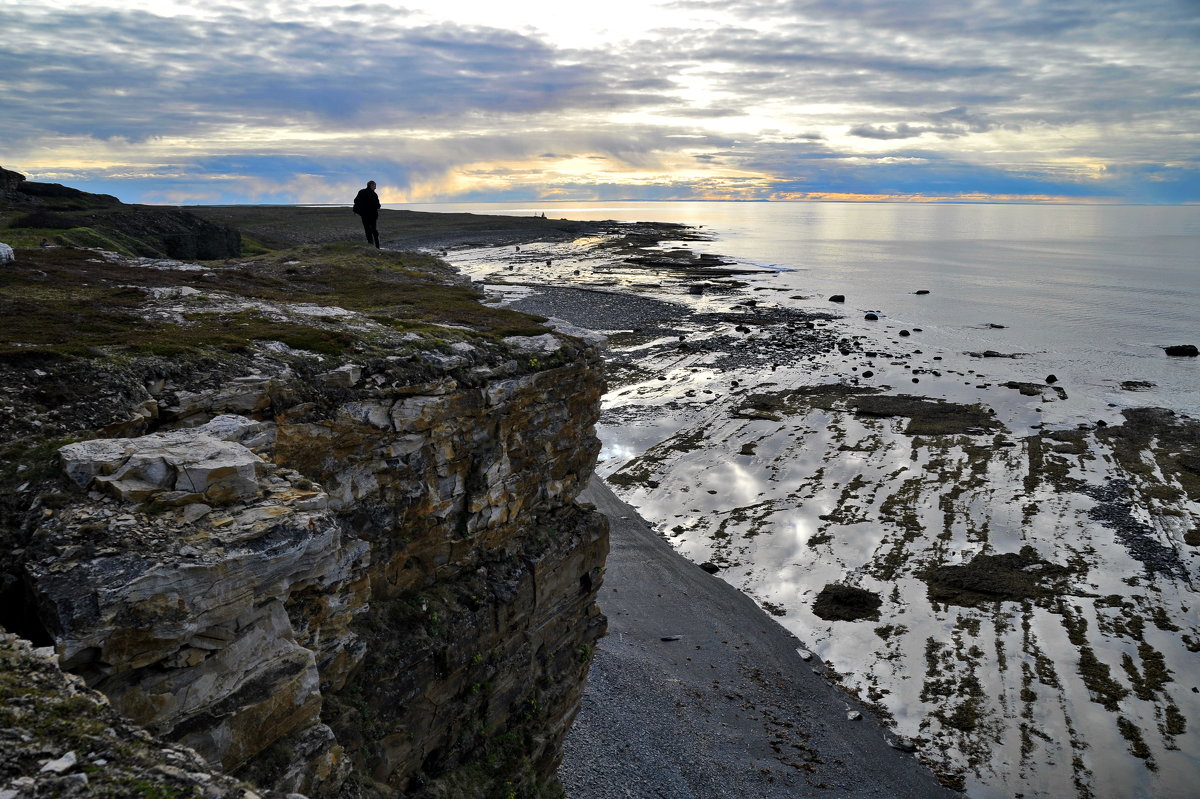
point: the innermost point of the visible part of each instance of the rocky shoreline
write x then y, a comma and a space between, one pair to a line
1011, 597
997, 586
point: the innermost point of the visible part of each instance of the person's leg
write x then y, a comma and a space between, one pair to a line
375, 231
368, 226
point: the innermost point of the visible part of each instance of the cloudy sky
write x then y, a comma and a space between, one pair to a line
457, 100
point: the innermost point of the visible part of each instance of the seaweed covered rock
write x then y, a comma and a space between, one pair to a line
1006, 577
838, 602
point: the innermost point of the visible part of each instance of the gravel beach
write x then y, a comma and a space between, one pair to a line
697, 694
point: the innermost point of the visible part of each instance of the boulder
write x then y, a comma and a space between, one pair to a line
838, 298
185, 463
6, 253
1184, 350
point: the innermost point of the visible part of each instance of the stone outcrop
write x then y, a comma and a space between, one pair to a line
359, 573
9, 182
72, 217
63, 740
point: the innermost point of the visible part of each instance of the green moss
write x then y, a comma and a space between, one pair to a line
63, 303
1175, 722
1098, 679
1137, 743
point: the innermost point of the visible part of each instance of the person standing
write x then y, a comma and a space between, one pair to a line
366, 205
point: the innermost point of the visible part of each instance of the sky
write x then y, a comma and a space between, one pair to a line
284, 101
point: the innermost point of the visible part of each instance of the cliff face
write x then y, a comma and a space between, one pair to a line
358, 570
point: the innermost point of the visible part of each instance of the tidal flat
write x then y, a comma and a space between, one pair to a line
1005, 568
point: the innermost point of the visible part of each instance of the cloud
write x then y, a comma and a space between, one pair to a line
147, 75
900, 131
283, 101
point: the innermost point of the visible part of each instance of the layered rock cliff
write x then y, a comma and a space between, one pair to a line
311, 515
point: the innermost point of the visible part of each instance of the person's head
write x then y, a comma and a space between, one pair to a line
370, 184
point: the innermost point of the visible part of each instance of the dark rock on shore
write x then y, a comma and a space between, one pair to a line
846, 603
1011, 577
1136, 385
838, 298
1184, 350
927, 416
1026, 389
993, 354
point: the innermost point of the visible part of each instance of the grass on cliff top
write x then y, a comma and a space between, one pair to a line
65, 302
283, 226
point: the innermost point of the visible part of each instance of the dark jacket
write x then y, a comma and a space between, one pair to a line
366, 203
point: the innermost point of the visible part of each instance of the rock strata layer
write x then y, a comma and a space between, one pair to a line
360, 572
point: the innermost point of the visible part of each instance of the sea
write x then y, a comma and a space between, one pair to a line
1089, 293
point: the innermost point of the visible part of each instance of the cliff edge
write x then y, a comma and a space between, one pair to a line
311, 515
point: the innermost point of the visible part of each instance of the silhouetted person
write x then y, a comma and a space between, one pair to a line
366, 205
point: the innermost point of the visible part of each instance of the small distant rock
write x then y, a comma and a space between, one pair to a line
902, 744
868, 373
871, 317
853, 715
710, 567
671, 638
995, 326
805, 655
1027, 389
1184, 350
921, 291
905, 333
6, 253
838, 298
62, 764
1136, 385
1051, 379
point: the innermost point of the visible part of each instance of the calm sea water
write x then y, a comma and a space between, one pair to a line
1089, 293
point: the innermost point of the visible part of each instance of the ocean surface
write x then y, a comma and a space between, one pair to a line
1088, 293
